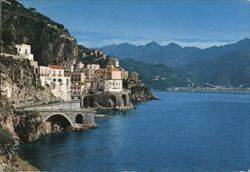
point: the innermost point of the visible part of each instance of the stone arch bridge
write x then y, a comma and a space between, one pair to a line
65, 113
117, 100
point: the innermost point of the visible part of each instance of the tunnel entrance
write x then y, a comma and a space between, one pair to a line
79, 119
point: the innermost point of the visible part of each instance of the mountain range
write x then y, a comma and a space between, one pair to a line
227, 65
172, 54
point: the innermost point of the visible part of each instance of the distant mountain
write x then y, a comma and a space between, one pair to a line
232, 69
157, 76
173, 54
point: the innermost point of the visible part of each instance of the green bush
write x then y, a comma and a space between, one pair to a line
7, 144
6, 137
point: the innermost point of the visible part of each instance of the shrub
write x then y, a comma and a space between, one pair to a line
6, 137
6, 143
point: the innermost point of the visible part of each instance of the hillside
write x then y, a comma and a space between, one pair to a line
158, 76
228, 70
50, 41
174, 55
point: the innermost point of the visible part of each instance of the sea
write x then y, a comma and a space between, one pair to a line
181, 131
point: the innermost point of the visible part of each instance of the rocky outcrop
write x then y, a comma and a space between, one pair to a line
51, 42
139, 92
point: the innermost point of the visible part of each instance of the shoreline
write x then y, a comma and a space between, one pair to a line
233, 91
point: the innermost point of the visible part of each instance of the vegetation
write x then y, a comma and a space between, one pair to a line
158, 76
51, 42
16, 164
232, 70
6, 143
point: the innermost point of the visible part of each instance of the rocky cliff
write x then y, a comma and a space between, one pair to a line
19, 88
139, 92
51, 42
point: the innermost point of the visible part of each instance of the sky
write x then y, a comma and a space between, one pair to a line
200, 23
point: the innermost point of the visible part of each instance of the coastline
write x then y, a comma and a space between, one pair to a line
235, 90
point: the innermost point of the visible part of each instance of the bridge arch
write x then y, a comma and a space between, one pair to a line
59, 117
112, 101
124, 99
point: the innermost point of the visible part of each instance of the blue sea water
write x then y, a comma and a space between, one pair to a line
179, 132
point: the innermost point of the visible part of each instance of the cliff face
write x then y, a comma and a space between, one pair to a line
19, 88
51, 42
19, 83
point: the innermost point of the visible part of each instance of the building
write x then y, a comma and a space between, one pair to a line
113, 86
107, 80
93, 66
52, 76
68, 66
24, 51
113, 80
124, 74
77, 89
112, 62
98, 80
77, 82
76, 77
80, 65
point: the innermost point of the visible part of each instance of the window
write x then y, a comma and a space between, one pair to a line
59, 80
54, 80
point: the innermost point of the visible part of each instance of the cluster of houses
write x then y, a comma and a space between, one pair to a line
71, 79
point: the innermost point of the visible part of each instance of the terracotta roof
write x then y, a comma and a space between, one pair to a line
55, 67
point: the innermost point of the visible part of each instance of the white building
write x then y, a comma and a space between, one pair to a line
24, 51
80, 65
93, 66
53, 77
113, 86
113, 80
